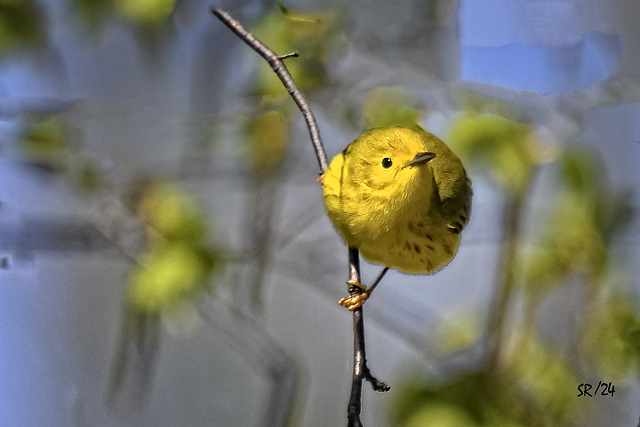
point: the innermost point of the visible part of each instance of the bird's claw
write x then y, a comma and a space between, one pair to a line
359, 296
354, 301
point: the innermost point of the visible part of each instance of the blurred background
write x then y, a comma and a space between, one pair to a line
165, 257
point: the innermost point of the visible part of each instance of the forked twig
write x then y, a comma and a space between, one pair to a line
360, 368
277, 64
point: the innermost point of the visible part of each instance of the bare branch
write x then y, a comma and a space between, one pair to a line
360, 369
277, 64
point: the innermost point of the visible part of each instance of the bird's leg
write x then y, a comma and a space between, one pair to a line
378, 280
358, 293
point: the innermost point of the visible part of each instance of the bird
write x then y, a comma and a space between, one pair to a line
401, 197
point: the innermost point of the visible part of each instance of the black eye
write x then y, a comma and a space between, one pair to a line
386, 163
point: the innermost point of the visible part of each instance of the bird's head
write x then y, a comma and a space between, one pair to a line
392, 160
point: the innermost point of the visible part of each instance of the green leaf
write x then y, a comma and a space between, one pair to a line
167, 209
578, 231
88, 175
545, 380
267, 137
390, 106
440, 415
166, 277
612, 338
22, 26
484, 398
45, 142
179, 264
145, 12
169, 276
310, 36
496, 146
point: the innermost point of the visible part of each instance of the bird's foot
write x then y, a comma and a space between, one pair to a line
358, 295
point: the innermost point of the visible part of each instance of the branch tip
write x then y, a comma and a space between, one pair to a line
293, 54
376, 384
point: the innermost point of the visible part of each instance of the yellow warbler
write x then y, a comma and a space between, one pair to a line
401, 197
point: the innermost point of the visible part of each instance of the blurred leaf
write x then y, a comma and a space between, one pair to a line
293, 16
50, 142
617, 214
390, 106
477, 103
45, 142
440, 415
88, 175
148, 16
168, 275
145, 12
546, 382
580, 174
458, 330
179, 263
93, 11
585, 179
577, 236
484, 398
579, 229
612, 338
312, 37
572, 243
166, 283
21, 26
166, 208
536, 390
268, 137
499, 147
544, 267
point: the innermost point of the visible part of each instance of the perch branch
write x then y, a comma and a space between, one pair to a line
360, 368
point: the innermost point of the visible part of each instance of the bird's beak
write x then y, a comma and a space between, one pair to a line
421, 159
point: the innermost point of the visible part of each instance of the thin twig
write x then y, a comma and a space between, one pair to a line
277, 64
360, 369
293, 54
